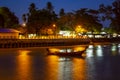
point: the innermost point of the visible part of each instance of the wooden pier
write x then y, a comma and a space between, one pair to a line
24, 43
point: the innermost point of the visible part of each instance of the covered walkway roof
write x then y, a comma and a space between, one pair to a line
4, 30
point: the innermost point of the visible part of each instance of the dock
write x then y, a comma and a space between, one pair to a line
24, 43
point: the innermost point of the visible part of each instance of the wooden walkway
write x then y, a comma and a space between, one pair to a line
23, 43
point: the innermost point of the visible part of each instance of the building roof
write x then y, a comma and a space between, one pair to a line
3, 30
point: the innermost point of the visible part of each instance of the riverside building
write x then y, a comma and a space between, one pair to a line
9, 34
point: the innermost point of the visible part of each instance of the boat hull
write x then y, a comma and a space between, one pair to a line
68, 54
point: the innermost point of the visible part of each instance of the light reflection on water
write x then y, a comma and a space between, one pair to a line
23, 63
94, 50
61, 68
100, 63
51, 68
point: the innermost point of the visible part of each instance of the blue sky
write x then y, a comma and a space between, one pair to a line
20, 7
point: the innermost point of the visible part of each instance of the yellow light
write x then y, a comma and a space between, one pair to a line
54, 25
24, 24
23, 52
53, 50
79, 29
50, 31
79, 26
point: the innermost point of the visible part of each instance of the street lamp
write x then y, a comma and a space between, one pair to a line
54, 25
24, 24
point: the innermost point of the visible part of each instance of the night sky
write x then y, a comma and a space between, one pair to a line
20, 7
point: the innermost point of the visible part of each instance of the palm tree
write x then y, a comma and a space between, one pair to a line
62, 12
24, 18
32, 8
49, 7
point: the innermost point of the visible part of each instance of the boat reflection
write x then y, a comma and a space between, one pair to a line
65, 68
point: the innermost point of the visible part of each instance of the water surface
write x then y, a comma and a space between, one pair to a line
99, 62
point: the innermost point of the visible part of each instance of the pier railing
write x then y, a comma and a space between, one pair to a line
21, 43
45, 42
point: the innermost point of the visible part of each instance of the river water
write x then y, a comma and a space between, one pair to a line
99, 62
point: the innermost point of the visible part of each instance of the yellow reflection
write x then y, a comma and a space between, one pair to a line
53, 50
23, 65
64, 68
23, 52
79, 69
52, 68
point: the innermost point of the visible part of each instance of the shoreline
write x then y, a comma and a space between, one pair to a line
41, 43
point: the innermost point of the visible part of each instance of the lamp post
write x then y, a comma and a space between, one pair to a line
24, 24
54, 26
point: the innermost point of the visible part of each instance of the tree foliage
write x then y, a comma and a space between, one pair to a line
1, 21
88, 19
8, 18
115, 25
40, 19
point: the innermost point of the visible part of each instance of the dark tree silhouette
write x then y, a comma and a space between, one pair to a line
10, 19
40, 19
88, 18
62, 12
1, 21
49, 7
115, 25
